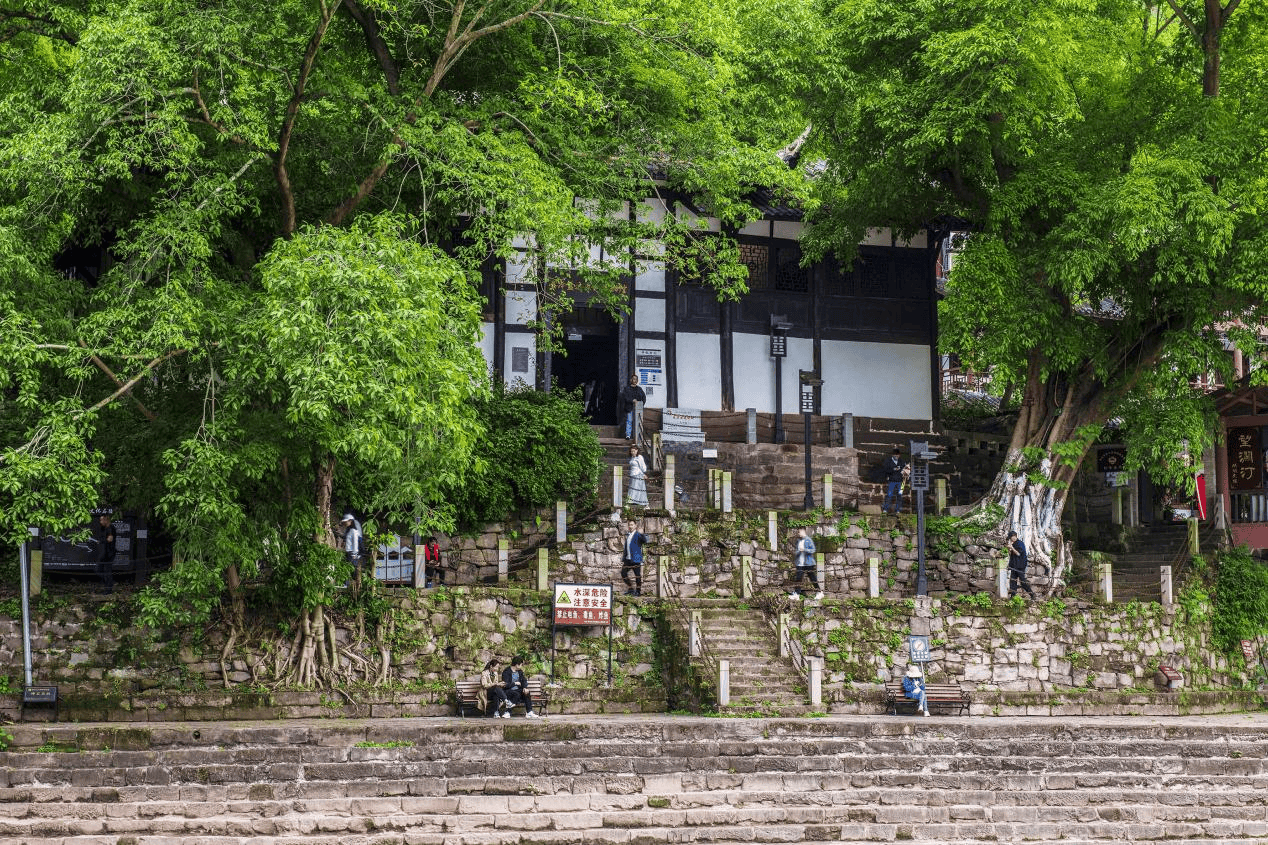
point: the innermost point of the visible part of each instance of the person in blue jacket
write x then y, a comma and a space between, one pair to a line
632, 559
914, 687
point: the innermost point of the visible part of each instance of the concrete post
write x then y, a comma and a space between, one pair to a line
662, 577
1164, 574
726, 492
940, 495
847, 430
821, 571
746, 577
873, 578
419, 580
827, 491
1193, 535
669, 484
816, 681
504, 560
543, 571
1116, 506
561, 521
1002, 578
783, 635
724, 683
772, 530
618, 486
693, 634
1107, 582
750, 430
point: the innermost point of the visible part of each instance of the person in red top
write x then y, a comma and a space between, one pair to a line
431, 563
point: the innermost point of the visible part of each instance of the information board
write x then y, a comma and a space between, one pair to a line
79, 550
583, 604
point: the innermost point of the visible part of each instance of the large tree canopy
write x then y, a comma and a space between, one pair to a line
1108, 158
239, 240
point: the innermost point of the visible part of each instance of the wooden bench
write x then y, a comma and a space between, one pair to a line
941, 695
467, 695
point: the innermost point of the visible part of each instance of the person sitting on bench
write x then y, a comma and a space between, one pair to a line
914, 687
516, 685
495, 703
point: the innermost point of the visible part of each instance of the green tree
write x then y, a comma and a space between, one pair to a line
280, 210
1107, 158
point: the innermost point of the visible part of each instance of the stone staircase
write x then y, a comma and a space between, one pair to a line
1136, 576
638, 781
761, 680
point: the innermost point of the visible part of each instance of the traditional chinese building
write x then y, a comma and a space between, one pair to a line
1242, 483
867, 327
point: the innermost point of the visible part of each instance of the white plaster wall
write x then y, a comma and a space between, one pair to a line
649, 314
754, 372
699, 371
788, 229
651, 277
486, 345
758, 229
651, 211
514, 339
877, 380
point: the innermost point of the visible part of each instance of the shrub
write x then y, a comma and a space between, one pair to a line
539, 449
1241, 599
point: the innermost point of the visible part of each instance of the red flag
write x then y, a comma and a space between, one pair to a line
1201, 495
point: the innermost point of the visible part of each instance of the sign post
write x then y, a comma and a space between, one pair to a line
920, 458
581, 605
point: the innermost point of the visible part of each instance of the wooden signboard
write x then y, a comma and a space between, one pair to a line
1245, 459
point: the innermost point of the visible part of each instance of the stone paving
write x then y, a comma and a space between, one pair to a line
639, 779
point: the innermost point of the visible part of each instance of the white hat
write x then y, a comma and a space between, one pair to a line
347, 517
913, 671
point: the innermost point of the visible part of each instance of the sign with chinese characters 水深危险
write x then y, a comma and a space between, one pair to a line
583, 604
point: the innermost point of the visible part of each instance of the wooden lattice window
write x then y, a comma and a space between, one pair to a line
756, 257
789, 274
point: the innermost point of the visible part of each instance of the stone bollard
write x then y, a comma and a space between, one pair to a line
873, 578
750, 430
693, 633
726, 492
669, 484
816, 681
1116, 506
1193, 535
618, 486
940, 494
827, 491
821, 572
420, 564
847, 430
561, 522
746, 577
662, 577
1002, 578
1107, 582
1164, 573
772, 530
784, 622
724, 683
543, 571
504, 560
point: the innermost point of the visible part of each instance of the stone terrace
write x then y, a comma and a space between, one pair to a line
639, 780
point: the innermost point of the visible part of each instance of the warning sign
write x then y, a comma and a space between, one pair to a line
583, 604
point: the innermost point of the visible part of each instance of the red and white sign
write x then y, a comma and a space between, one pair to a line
1248, 650
583, 604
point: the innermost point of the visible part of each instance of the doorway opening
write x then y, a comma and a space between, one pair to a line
590, 361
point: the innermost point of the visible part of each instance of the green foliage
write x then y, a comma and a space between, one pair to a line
1241, 600
539, 449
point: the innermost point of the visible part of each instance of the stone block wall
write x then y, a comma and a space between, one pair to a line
1060, 647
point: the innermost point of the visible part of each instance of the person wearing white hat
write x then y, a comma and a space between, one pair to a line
914, 687
352, 541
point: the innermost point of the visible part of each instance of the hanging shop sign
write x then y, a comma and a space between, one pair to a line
1245, 459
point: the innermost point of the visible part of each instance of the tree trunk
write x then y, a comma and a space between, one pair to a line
1049, 443
325, 493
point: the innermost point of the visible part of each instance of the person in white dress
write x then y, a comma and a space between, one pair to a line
637, 494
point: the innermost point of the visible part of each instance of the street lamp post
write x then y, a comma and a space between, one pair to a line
920, 458
779, 327
809, 381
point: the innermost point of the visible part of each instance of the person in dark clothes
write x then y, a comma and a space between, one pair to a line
105, 558
627, 407
632, 559
515, 682
893, 467
1017, 566
493, 699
